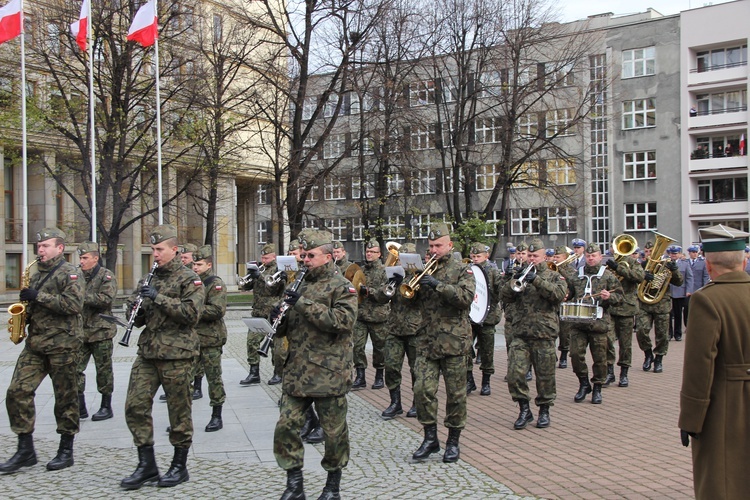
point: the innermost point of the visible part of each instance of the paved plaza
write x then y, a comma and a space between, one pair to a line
627, 447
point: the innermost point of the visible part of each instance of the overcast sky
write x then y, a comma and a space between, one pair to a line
571, 10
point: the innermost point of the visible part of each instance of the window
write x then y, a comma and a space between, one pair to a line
422, 138
525, 76
717, 147
313, 195
640, 216
366, 146
490, 84
422, 93
524, 221
334, 188
640, 113
638, 62
12, 271
308, 108
358, 229
394, 228
487, 176
395, 184
560, 172
363, 188
527, 126
561, 220
487, 130
559, 75
330, 107
450, 90
558, 122
188, 19
527, 175
420, 227
728, 57
263, 194
218, 29
262, 232
337, 228
361, 102
722, 102
424, 182
53, 38
639, 166
448, 181
497, 219
722, 190
334, 146
740, 225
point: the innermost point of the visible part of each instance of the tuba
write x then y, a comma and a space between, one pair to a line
392, 257
651, 292
17, 311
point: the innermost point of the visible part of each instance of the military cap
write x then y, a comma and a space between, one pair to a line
88, 246
337, 244
478, 247
512, 250
536, 244
674, 249
268, 248
694, 248
373, 243
438, 230
49, 232
720, 238
747, 249
509, 245
522, 247
408, 248
561, 250
189, 248
550, 252
649, 244
294, 244
314, 239
162, 233
592, 248
202, 253
578, 242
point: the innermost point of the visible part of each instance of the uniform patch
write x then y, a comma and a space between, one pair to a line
218, 287
74, 277
352, 290
108, 277
198, 283
468, 270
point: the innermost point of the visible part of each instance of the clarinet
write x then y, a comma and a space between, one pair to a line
137, 307
283, 306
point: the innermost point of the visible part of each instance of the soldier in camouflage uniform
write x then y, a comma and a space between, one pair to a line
630, 274
318, 325
280, 348
339, 257
54, 301
212, 332
519, 263
443, 344
535, 326
567, 272
485, 333
101, 289
594, 283
186, 255
372, 318
264, 298
170, 309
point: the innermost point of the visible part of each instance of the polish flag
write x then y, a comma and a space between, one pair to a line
145, 28
11, 19
742, 145
79, 29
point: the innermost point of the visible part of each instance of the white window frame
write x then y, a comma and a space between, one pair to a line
395, 184
529, 176
491, 84
334, 146
645, 109
559, 75
358, 229
527, 126
497, 216
394, 228
558, 122
330, 106
638, 166
640, 212
561, 220
263, 192
262, 232
369, 185
487, 176
308, 107
487, 130
334, 188
420, 226
337, 227
314, 194
638, 62
447, 178
422, 93
424, 182
524, 221
450, 90
561, 170
422, 138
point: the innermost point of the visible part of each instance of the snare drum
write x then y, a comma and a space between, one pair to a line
580, 312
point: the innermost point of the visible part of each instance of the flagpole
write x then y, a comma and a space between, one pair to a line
90, 55
24, 163
158, 122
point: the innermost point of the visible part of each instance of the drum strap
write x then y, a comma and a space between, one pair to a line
588, 290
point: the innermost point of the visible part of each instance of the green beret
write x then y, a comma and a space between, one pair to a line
536, 244
49, 232
408, 248
562, 250
721, 238
268, 248
202, 253
294, 244
522, 247
87, 247
478, 247
316, 239
162, 233
438, 230
373, 243
189, 248
337, 244
592, 248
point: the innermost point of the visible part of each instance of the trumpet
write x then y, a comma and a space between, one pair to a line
519, 285
275, 278
408, 290
556, 267
247, 279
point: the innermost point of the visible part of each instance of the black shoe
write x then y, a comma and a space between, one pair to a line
486, 391
524, 415
610, 375
274, 380
331, 489
623, 377
253, 377
177, 472
25, 456
146, 471
379, 382
563, 359
583, 389
311, 422
452, 451
163, 398
82, 411
648, 361
542, 422
197, 390
412, 413
678, 338
294, 485
395, 407
528, 374
596, 395
64, 457
429, 445
658, 366
215, 423
105, 412
470, 384
359, 380
316, 436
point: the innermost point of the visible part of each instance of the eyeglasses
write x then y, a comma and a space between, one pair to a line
310, 255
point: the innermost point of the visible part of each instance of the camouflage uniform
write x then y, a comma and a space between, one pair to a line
372, 317
485, 333
264, 298
567, 272
403, 324
658, 315
624, 313
212, 332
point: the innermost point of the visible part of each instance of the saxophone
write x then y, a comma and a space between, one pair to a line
17, 311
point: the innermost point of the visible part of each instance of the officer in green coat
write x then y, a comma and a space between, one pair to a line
318, 325
54, 302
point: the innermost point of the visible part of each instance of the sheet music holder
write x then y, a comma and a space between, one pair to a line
258, 325
411, 261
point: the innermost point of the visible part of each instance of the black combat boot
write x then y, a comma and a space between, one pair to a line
316, 435
658, 367
276, 379
145, 472
563, 359
542, 422
197, 390
429, 445
331, 489
64, 457
412, 413
82, 411
596, 395
610, 375
177, 472
215, 423
623, 376
470, 384
486, 391
452, 451
379, 382
25, 456
253, 377
294, 485
395, 407
311, 422
524, 415
359, 380
583, 389
105, 412
648, 361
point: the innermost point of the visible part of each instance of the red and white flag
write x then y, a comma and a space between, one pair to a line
742, 145
80, 28
11, 20
145, 28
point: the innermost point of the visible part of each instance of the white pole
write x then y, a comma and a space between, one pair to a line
90, 55
24, 165
158, 123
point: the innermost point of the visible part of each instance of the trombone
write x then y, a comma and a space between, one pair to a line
408, 290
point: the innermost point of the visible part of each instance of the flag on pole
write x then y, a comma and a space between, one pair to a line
742, 145
79, 29
11, 19
145, 29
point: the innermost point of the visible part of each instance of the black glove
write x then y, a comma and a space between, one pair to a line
612, 264
397, 279
672, 265
29, 295
648, 276
530, 276
517, 272
363, 290
275, 313
291, 297
254, 273
685, 437
147, 291
428, 280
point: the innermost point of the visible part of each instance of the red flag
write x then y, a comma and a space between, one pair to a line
79, 29
742, 145
11, 20
145, 28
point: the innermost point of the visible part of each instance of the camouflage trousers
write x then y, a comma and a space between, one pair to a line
210, 363
622, 332
539, 353
597, 343
564, 336
146, 376
287, 443
280, 351
453, 369
378, 333
396, 348
31, 368
485, 335
661, 328
198, 370
102, 353
253, 343
508, 335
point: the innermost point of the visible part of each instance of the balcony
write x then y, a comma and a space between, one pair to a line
719, 117
718, 73
716, 163
718, 207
